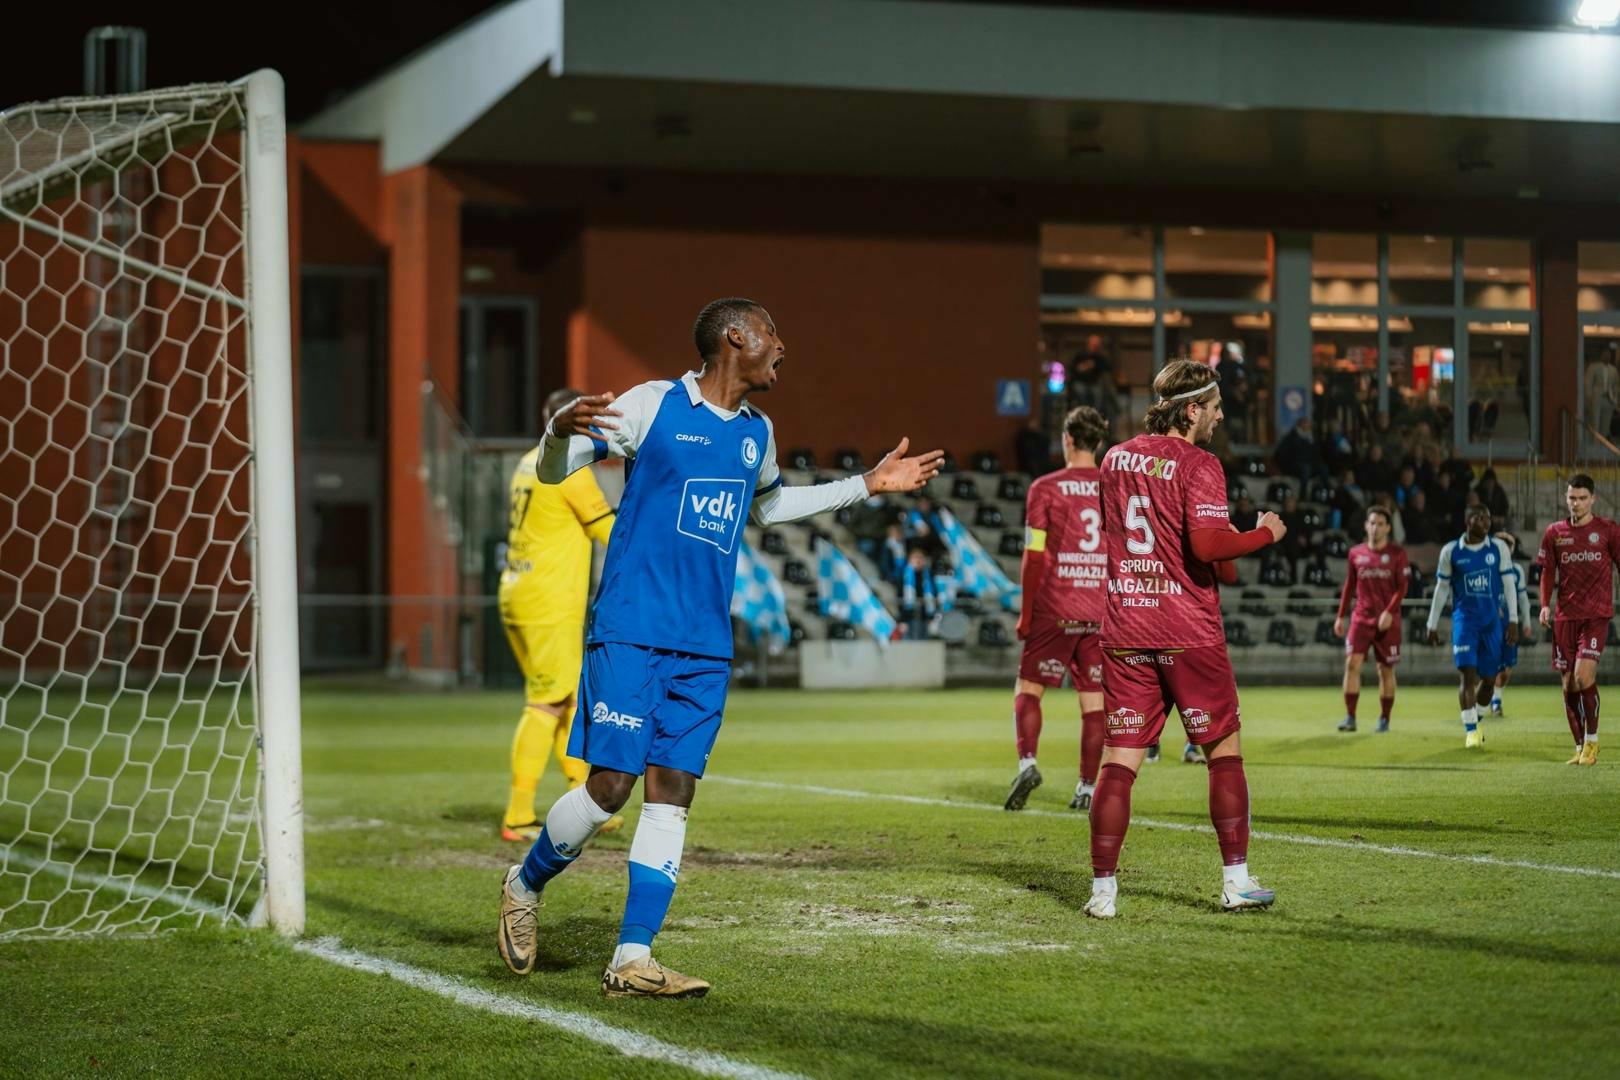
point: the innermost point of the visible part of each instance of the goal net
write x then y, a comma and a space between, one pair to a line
148, 656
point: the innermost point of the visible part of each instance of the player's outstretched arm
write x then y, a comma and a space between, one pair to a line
897, 472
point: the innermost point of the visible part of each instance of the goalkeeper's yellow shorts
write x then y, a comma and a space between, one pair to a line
550, 657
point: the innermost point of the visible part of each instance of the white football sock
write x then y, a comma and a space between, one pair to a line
1105, 886
1025, 763
1470, 717
624, 954
1236, 875
574, 818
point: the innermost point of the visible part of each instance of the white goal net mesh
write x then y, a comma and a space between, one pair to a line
129, 778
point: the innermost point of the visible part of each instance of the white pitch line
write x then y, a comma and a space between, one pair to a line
1181, 826
627, 1042
128, 885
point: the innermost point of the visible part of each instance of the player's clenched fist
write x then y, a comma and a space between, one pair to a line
1269, 520
583, 414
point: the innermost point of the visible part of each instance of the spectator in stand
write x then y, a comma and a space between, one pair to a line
1420, 526
892, 555
1349, 500
922, 600
1297, 540
1391, 441
1244, 515
1298, 455
922, 527
1446, 501
1336, 449
1406, 485
1091, 380
1602, 395
1462, 473
1491, 495
1376, 473
1033, 450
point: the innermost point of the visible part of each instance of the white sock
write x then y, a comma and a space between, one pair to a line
1591, 736
1470, 717
574, 818
1084, 788
1105, 886
1237, 874
624, 954
1025, 763
1496, 697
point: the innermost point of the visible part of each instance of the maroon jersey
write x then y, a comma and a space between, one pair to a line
1582, 558
1376, 578
1157, 489
1066, 507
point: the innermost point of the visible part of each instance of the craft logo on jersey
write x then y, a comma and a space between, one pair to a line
701, 440
1157, 467
712, 511
750, 452
601, 714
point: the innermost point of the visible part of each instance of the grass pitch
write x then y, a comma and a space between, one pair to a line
868, 935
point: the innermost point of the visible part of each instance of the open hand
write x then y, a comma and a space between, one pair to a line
583, 414
1385, 621
896, 472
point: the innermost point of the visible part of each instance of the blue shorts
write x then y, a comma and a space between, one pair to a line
1510, 658
1477, 647
641, 707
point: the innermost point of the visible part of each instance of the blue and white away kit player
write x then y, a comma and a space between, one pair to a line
658, 659
1476, 573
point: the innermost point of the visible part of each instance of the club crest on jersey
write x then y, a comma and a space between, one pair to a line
712, 511
1383, 558
1490, 558
1591, 538
750, 452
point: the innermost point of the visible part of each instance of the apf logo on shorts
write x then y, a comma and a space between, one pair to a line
601, 714
712, 511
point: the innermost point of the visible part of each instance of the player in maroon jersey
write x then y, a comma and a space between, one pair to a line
1376, 577
1577, 559
1169, 538
1064, 576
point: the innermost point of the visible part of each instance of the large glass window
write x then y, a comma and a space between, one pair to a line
1496, 275
1598, 297
1423, 376
1598, 278
1238, 346
1420, 271
1217, 264
340, 355
1344, 270
499, 396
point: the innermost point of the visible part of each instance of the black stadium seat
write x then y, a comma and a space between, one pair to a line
993, 634
849, 459
1253, 466
802, 457
1237, 633
1322, 492
1297, 608
1012, 543
1324, 632
1277, 491
985, 461
989, 516
1318, 574
795, 572
1281, 632
1254, 604
1011, 489
964, 489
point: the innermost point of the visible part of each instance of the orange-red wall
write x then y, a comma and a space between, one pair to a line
886, 336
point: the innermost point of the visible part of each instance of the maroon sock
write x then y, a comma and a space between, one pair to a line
1350, 701
1027, 722
1229, 807
1110, 817
1386, 706
1589, 708
1092, 732
1572, 713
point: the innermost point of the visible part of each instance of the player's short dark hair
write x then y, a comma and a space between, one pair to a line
557, 400
1086, 427
1581, 480
715, 319
1381, 511
1170, 410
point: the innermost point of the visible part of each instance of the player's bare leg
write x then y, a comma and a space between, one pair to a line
1092, 732
1110, 818
1467, 701
1229, 813
1386, 695
1352, 689
1584, 683
1027, 733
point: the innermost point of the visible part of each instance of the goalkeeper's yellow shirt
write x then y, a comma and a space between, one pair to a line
548, 545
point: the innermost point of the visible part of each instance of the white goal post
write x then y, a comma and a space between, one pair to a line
150, 739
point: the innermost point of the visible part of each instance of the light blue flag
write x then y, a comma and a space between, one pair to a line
846, 595
757, 600
977, 571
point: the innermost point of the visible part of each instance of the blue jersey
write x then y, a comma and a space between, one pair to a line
694, 471
1482, 583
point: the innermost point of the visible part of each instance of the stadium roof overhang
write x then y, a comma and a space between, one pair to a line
1087, 95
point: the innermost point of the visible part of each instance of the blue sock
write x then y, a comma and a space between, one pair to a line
651, 890
546, 860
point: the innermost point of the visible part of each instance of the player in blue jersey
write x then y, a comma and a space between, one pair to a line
698, 458
1476, 573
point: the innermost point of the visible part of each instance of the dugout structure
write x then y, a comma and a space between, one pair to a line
149, 702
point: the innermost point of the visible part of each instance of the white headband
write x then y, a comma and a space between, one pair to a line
1206, 388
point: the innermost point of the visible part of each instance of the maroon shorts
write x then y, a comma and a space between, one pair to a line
1053, 650
1140, 686
1386, 646
1578, 639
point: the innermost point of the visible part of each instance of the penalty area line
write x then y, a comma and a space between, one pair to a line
627, 1042
1182, 826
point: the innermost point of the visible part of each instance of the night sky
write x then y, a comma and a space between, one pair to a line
327, 49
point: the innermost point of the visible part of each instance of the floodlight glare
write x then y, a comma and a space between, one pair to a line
1598, 13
